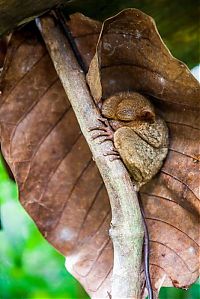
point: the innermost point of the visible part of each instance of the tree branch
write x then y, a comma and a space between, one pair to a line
126, 226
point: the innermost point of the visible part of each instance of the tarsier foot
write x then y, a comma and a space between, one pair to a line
113, 153
105, 130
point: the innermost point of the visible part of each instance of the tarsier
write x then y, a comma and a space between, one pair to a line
141, 139
140, 136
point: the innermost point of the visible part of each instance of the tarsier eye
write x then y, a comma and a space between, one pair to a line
125, 113
125, 110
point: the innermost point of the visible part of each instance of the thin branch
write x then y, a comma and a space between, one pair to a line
126, 227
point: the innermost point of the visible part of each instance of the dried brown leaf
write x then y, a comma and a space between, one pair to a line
59, 184
132, 56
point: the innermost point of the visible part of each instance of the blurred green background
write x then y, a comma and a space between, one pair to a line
30, 268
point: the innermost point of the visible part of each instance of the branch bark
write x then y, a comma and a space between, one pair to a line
126, 227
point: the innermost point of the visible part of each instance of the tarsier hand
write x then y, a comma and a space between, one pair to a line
140, 136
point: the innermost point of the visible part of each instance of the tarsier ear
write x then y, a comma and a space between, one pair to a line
148, 115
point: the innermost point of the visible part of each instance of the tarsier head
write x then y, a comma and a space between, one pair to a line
128, 107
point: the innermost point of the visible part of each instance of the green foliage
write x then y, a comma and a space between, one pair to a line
172, 293
29, 267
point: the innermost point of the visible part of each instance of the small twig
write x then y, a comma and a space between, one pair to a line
66, 30
146, 252
127, 228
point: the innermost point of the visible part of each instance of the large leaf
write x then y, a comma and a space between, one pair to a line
131, 56
60, 186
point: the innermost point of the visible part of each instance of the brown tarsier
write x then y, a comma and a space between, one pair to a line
141, 139
140, 136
